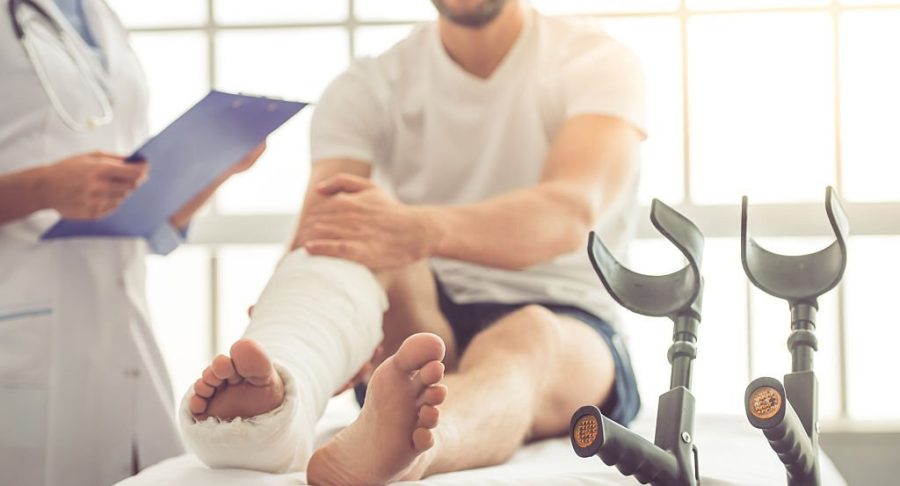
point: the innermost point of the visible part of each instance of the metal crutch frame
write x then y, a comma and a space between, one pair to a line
788, 414
672, 458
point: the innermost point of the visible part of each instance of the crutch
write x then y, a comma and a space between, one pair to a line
672, 458
788, 414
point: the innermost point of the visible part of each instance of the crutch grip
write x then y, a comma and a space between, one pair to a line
593, 434
769, 410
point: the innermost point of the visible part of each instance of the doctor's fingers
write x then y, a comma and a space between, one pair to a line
105, 205
114, 187
131, 173
92, 210
112, 191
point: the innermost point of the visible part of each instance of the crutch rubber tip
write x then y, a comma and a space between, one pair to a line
586, 431
765, 402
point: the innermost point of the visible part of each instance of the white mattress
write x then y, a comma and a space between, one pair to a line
731, 453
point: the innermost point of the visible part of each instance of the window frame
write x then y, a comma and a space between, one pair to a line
215, 229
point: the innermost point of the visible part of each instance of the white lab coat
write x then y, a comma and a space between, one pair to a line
84, 396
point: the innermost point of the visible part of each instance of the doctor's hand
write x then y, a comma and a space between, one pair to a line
182, 217
248, 160
359, 221
88, 186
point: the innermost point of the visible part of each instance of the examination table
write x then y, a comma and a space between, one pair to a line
731, 453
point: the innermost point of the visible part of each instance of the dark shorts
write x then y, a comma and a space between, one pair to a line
467, 320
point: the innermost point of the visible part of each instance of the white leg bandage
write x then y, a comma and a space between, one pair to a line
319, 319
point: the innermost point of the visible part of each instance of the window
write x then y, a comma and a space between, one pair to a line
770, 98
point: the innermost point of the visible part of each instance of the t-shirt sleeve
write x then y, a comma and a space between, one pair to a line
603, 77
348, 120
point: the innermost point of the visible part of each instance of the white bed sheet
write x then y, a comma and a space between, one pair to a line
731, 453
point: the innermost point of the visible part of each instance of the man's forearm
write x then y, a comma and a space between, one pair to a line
19, 194
515, 230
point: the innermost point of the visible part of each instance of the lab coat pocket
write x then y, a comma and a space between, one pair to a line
25, 345
24, 374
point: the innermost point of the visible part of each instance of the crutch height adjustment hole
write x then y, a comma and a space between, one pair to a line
765, 402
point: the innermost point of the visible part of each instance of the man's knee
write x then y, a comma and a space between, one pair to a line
532, 329
415, 280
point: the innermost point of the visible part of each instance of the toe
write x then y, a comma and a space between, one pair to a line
251, 362
197, 405
201, 388
210, 378
418, 350
433, 395
224, 370
428, 417
422, 439
430, 374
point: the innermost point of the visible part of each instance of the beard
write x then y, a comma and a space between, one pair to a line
479, 17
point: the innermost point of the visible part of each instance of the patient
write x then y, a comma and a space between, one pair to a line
455, 180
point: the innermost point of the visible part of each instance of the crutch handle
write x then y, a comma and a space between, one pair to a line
769, 410
593, 434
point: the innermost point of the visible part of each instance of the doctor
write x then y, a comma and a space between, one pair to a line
84, 396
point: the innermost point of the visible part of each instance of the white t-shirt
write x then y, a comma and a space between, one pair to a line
436, 134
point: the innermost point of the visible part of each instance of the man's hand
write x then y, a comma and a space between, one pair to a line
358, 221
88, 186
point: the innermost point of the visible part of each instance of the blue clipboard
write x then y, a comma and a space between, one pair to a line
185, 158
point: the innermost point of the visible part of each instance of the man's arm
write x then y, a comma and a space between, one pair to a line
590, 163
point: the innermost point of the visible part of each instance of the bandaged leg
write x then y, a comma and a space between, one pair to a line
318, 319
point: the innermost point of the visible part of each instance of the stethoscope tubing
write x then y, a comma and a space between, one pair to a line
77, 57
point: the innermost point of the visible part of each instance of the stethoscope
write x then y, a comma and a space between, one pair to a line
93, 121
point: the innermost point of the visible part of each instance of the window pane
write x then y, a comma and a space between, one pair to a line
178, 293
720, 371
721, 367
772, 326
279, 11
649, 338
372, 41
872, 328
162, 54
160, 12
657, 42
243, 273
870, 105
277, 182
568, 7
751, 4
762, 111
394, 10
317, 55
870, 2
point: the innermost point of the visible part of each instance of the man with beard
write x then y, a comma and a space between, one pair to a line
456, 177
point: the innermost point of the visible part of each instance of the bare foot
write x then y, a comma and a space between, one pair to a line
244, 385
394, 428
